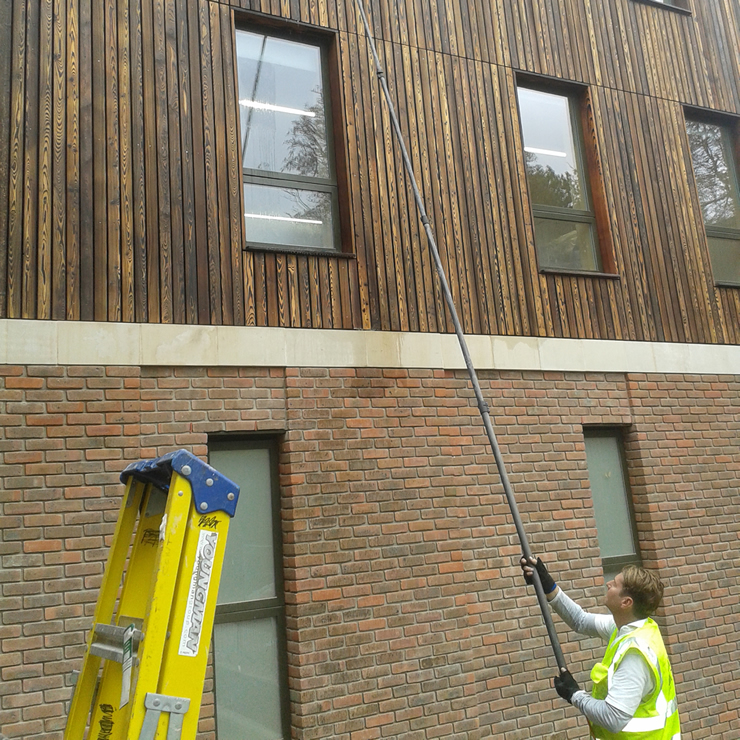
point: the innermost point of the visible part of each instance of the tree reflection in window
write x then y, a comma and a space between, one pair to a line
547, 187
717, 186
307, 154
716, 181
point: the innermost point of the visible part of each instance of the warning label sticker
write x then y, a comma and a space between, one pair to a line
192, 625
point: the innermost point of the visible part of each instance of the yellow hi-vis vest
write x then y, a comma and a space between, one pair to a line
656, 717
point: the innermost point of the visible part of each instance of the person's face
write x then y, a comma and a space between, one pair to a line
614, 596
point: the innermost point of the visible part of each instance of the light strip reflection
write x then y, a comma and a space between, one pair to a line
548, 152
283, 218
276, 108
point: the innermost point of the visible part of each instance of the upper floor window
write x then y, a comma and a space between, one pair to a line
290, 187
713, 152
565, 222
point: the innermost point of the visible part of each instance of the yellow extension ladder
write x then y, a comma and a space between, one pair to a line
154, 616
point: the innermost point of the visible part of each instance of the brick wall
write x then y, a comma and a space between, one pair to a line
406, 613
685, 460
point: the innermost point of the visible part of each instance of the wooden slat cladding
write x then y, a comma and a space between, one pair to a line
121, 187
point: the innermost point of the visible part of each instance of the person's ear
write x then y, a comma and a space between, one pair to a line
627, 602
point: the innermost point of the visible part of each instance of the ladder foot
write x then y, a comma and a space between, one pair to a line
155, 704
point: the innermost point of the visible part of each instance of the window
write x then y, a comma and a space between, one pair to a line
566, 234
250, 669
615, 522
713, 153
290, 187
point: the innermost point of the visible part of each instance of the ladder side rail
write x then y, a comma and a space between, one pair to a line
108, 715
193, 613
145, 674
84, 691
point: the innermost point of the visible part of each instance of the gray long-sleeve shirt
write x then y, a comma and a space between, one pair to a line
631, 682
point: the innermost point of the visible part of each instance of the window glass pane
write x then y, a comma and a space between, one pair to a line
714, 170
283, 124
611, 508
249, 568
247, 680
566, 245
725, 256
553, 169
288, 216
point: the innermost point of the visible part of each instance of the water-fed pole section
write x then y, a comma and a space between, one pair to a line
482, 405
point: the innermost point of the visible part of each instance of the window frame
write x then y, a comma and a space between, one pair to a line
618, 433
731, 124
244, 611
337, 184
581, 118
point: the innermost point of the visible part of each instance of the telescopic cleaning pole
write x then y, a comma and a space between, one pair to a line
482, 405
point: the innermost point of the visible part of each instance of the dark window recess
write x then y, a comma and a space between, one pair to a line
714, 148
613, 510
249, 641
290, 185
566, 223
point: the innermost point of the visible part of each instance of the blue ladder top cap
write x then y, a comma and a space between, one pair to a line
212, 491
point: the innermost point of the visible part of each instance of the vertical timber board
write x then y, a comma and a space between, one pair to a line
6, 70
72, 159
187, 110
175, 161
99, 163
113, 161
128, 273
233, 159
58, 278
406, 206
416, 235
221, 166
45, 164
11, 305
354, 141
210, 156
86, 308
138, 169
200, 219
31, 154
153, 289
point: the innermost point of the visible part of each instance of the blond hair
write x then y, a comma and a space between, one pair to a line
644, 587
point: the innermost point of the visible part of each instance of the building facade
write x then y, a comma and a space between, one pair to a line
208, 242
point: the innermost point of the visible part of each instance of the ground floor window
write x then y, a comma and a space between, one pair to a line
250, 658
613, 511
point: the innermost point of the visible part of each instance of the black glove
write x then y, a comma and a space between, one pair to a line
548, 585
566, 685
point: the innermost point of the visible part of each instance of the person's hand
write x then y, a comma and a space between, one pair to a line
566, 685
528, 566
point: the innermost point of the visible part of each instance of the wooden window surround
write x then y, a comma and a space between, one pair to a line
564, 178
291, 145
714, 142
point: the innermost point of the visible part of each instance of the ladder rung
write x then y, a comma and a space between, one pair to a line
108, 642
